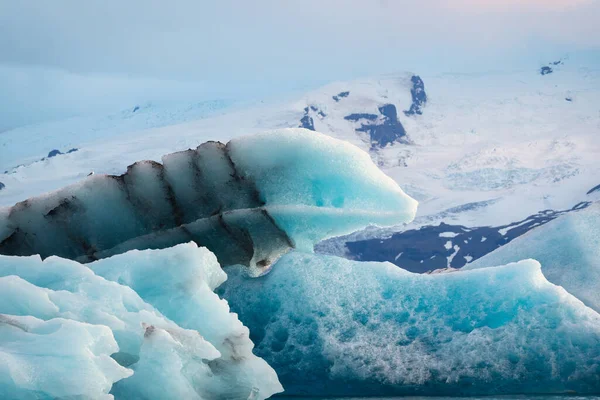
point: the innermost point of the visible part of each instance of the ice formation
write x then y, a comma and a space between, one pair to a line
147, 324
248, 201
336, 327
57, 358
568, 249
178, 339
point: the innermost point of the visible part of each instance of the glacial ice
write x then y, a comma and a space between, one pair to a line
249, 202
57, 358
136, 323
330, 326
179, 339
568, 249
180, 282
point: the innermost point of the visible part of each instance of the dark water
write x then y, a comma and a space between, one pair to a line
520, 397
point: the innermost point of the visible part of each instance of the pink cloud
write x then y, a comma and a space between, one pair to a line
514, 5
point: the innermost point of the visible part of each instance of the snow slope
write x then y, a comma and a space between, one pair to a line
488, 150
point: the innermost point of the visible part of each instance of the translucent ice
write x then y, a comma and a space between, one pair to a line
58, 358
330, 326
249, 202
179, 282
168, 360
568, 249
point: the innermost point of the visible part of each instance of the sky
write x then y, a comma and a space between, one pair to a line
68, 57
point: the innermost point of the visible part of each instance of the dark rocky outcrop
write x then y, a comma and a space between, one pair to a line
2, 185
340, 96
55, 152
436, 247
308, 119
307, 122
359, 116
545, 70
383, 129
419, 96
594, 189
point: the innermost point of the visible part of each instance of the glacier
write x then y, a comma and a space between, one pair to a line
335, 327
568, 249
248, 201
211, 357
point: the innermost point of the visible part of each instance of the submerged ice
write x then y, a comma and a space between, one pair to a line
248, 201
330, 326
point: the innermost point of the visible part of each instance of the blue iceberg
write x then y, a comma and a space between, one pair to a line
57, 358
179, 352
568, 249
135, 308
330, 326
248, 201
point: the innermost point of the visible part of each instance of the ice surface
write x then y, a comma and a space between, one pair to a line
568, 249
330, 326
178, 338
249, 202
318, 187
58, 358
179, 282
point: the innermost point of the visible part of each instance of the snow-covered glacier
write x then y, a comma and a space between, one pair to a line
331, 326
66, 331
248, 201
568, 249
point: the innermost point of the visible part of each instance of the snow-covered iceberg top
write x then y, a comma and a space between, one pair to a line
153, 329
248, 201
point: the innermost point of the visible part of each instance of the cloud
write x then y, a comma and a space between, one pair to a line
264, 46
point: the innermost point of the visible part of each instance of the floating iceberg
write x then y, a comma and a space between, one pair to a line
180, 282
568, 249
248, 201
147, 324
179, 339
58, 358
330, 326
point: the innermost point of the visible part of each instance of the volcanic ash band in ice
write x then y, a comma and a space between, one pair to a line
249, 202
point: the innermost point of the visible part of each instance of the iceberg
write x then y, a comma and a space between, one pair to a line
123, 301
568, 249
57, 358
180, 282
335, 327
168, 360
249, 201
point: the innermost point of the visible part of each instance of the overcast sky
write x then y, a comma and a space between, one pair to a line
64, 57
